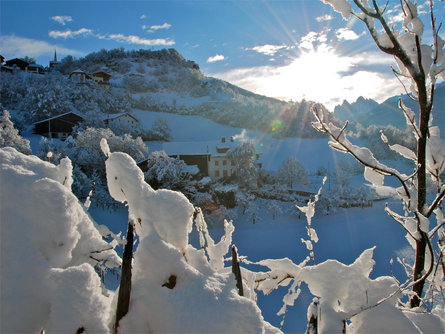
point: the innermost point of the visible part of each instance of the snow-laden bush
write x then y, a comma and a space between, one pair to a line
49, 247
84, 147
9, 136
164, 171
347, 299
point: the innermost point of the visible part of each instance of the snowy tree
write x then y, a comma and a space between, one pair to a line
41, 97
274, 208
84, 147
292, 171
419, 66
246, 168
9, 136
160, 130
164, 171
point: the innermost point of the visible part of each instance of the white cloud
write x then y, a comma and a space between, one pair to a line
62, 19
143, 16
346, 34
323, 18
70, 33
121, 38
320, 74
373, 58
132, 39
308, 41
268, 49
14, 46
215, 58
158, 27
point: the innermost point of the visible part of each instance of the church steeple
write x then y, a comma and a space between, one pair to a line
55, 62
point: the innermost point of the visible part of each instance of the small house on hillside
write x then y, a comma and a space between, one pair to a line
60, 126
36, 68
102, 78
17, 63
79, 76
121, 119
210, 157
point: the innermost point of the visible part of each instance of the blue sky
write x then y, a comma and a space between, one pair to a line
286, 49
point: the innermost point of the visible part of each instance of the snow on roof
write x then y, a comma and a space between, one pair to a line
118, 115
191, 169
57, 116
197, 148
79, 71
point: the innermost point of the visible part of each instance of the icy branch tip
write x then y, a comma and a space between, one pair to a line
104, 147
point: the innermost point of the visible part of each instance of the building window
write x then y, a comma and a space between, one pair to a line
232, 163
216, 173
225, 173
224, 162
216, 162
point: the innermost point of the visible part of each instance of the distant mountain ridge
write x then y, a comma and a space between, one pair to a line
368, 112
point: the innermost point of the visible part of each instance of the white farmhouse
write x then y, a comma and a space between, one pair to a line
121, 120
210, 157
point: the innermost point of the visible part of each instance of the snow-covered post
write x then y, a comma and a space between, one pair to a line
237, 271
123, 301
312, 317
421, 65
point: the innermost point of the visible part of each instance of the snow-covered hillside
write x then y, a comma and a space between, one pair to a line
164, 81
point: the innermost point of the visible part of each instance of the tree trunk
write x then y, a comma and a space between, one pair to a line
419, 264
123, 301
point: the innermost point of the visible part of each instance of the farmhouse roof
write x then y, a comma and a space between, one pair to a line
58, 116
212, 148
118, 115
102, 74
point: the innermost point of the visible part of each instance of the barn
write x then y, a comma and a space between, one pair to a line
60, 126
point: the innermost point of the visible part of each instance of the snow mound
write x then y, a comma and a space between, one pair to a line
48, 243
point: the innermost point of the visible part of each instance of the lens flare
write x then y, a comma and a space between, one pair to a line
276, 125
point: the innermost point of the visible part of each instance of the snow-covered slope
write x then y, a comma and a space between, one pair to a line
164, 81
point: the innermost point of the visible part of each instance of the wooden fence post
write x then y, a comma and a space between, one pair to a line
123, 300
236, 270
